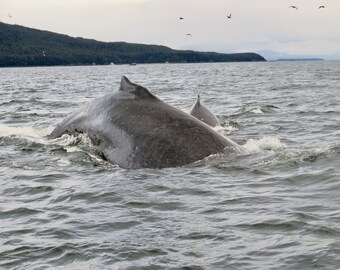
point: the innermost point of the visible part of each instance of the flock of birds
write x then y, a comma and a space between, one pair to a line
298, 9
229, 16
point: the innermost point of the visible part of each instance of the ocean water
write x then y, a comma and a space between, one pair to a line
63, 207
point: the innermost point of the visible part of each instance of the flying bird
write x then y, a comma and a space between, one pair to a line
321, 7
229, 16
294, 7
9, 15
189, 35
181, 18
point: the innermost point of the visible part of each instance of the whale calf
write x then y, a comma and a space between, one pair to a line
134, 129
201, 112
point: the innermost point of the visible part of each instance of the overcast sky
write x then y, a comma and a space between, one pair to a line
269, 27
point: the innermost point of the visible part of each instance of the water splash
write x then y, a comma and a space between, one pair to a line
24, 132
264, 144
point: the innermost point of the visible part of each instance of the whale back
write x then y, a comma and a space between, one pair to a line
135, 129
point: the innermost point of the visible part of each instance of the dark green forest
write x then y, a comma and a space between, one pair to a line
23, 46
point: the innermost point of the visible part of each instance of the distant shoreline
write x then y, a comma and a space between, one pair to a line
297, 59
101, 65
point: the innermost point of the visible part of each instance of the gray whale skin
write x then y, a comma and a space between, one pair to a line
134, 129
201, 112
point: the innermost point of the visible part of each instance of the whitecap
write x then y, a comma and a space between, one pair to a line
23, 132
225, 129
266, 143
257, 111
63, 162
28, 133
67, 141
73, 149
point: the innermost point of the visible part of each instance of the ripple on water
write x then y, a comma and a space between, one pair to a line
63, 207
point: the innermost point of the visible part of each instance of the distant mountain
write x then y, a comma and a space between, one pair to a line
23, 46
298, 59
282, 56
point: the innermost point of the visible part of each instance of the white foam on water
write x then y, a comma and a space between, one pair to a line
227, 129
264, 144
308, 151
257, 111
24, 132
73, 144
29, 133
91, 265
73, 149
38, 135
63, 162
65, 140
68, 141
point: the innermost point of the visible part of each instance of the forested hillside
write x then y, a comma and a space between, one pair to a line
23, 46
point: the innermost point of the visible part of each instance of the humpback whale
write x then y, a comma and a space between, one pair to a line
134, 129
201, 112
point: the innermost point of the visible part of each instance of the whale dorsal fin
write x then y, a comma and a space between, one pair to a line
138, 91
198, 101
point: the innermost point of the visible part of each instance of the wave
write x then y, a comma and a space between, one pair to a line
39, 135
81, 144
262, 109
274, 144
308, 154
79, 148
226, 128
24, 132
270, 151
12, 101
267, 143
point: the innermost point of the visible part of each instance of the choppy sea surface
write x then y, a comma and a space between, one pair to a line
63, 207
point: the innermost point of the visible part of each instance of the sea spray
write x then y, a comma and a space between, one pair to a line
266, 143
